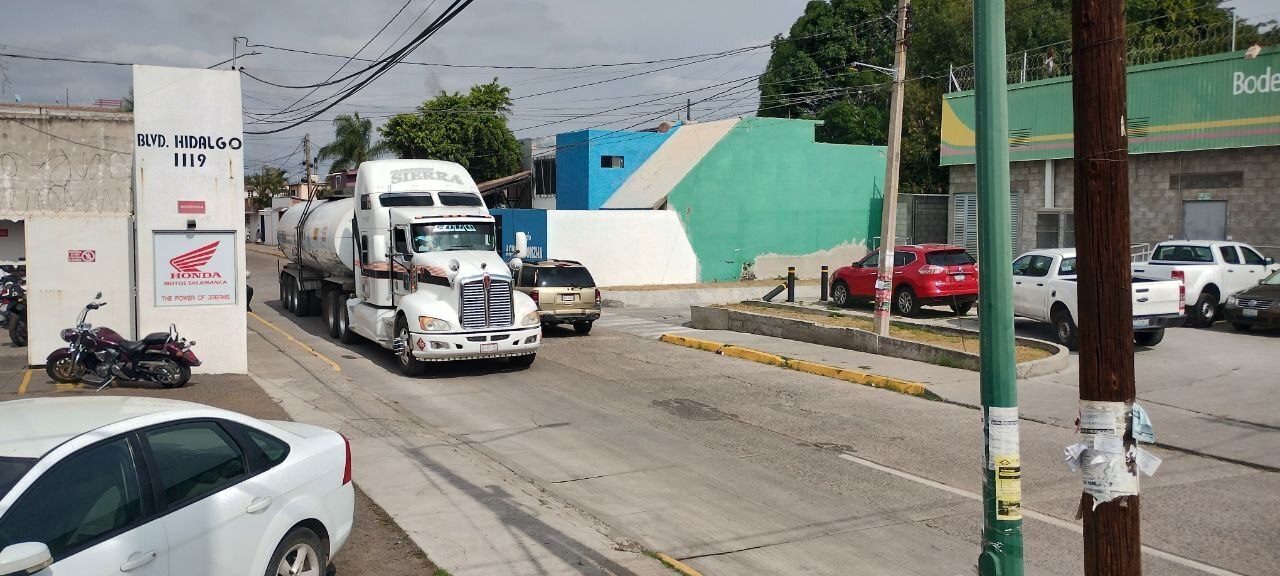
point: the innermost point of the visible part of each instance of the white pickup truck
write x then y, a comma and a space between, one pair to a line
1211, 271
1044, 289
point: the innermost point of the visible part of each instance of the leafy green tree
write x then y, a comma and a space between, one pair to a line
812, 74
470, 129
266, 184
126, 103
353, 143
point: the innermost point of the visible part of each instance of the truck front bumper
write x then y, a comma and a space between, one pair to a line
443, 346
1158, 321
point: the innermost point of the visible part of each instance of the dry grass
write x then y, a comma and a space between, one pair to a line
914, 334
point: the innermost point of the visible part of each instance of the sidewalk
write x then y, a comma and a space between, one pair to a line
470, 513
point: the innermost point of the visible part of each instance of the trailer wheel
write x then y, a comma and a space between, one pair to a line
290, 297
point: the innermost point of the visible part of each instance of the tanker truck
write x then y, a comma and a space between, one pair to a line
410, 262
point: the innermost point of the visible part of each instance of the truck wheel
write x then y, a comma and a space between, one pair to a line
1064, 330
840, 294
1201, 315
409, 366
904, 301
523, 361
1149, 338
329, 309
344, 324
583, 328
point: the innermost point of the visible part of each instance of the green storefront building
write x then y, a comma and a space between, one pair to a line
1204, 144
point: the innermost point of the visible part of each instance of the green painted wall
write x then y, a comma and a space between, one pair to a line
1210, 102
768, 188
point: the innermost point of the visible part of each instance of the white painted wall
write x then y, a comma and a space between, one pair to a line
12, 242
624, 247
179, 101
57, 288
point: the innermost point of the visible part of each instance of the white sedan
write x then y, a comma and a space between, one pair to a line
143, 486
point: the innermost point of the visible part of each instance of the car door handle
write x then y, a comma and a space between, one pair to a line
138, 560
1039, 284
258, 505
1018, 283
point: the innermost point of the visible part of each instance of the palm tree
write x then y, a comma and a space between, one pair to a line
353, 143
264, 185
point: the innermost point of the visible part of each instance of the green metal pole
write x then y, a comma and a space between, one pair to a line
1001, 468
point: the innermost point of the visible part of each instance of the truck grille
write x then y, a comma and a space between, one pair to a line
481, 310
1254, 303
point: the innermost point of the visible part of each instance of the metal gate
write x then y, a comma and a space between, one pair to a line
964, 221
923, 218
1204, 220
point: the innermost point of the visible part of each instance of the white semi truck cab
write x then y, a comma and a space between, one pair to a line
411, 263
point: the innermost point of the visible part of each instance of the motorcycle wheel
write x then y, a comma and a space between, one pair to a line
171, 374
18, 331
65, 370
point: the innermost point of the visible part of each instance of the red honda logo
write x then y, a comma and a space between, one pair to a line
193, 260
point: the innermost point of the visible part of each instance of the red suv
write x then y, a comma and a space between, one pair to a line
923, 275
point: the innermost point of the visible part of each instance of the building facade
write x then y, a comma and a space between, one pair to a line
1204, 155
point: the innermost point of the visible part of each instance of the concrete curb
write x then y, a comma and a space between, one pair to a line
865, 379
677, 565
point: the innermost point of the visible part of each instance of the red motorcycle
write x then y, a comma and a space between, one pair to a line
101, 356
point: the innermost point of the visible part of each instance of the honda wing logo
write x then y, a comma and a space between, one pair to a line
188, 265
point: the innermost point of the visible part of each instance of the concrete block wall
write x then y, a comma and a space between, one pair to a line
86, 169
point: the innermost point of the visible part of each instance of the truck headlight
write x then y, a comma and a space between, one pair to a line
430, 324
531, 319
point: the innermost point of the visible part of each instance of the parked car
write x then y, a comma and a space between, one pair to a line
564, 292
145, 486
1211, 270
1044, 289
923, 275
1258, 306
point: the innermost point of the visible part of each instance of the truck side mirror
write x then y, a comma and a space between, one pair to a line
515, 264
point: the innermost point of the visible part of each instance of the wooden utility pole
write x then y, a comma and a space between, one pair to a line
893, 155
306, 149
1112, 543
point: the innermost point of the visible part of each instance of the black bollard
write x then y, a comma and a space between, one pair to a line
776, 291
822, 290
791, 284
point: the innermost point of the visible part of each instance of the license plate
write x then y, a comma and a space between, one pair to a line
960, 277
1249, 313
488, 347
1141, 322
567, 297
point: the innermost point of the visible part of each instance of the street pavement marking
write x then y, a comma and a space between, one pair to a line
1054, 520
26, 379
313, 351
677, 565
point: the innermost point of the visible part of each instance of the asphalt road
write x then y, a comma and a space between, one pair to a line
744, 468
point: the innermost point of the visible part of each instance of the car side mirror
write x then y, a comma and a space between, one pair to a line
856, 265
1270, 261
25, 558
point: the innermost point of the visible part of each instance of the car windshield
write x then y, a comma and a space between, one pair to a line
446, 237
565, 276
949, 258
1182, 253
1273, 279
12, 470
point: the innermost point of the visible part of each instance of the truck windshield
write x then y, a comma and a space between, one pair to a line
446, 237
1182, 253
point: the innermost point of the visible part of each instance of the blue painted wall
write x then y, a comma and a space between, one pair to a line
531, 222
581, 184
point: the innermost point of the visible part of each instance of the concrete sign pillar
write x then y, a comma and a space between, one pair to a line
189, 201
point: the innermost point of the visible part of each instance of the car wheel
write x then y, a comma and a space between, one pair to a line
344, 324
904, 301
1241, 327
583, 328
1064, 330
409, 366
962, 309
523, 361
299, 554
840, 294
1149, 338
1201, 315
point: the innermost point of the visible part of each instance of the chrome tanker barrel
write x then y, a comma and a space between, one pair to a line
326, 235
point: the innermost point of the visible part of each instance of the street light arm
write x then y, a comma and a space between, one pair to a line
892, 72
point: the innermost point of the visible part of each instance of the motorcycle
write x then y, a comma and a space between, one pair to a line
14, 300
101, 356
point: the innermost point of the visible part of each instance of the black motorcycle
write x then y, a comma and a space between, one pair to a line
13, 303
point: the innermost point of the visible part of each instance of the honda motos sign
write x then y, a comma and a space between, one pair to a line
194, 268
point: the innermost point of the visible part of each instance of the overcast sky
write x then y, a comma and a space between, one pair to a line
489, 32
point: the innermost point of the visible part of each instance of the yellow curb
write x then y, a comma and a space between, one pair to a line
707, 345
754, 356
330, 362
873, 380
26, 380
677, 565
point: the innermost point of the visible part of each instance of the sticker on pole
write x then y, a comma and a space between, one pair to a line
1008, 488
195, 268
